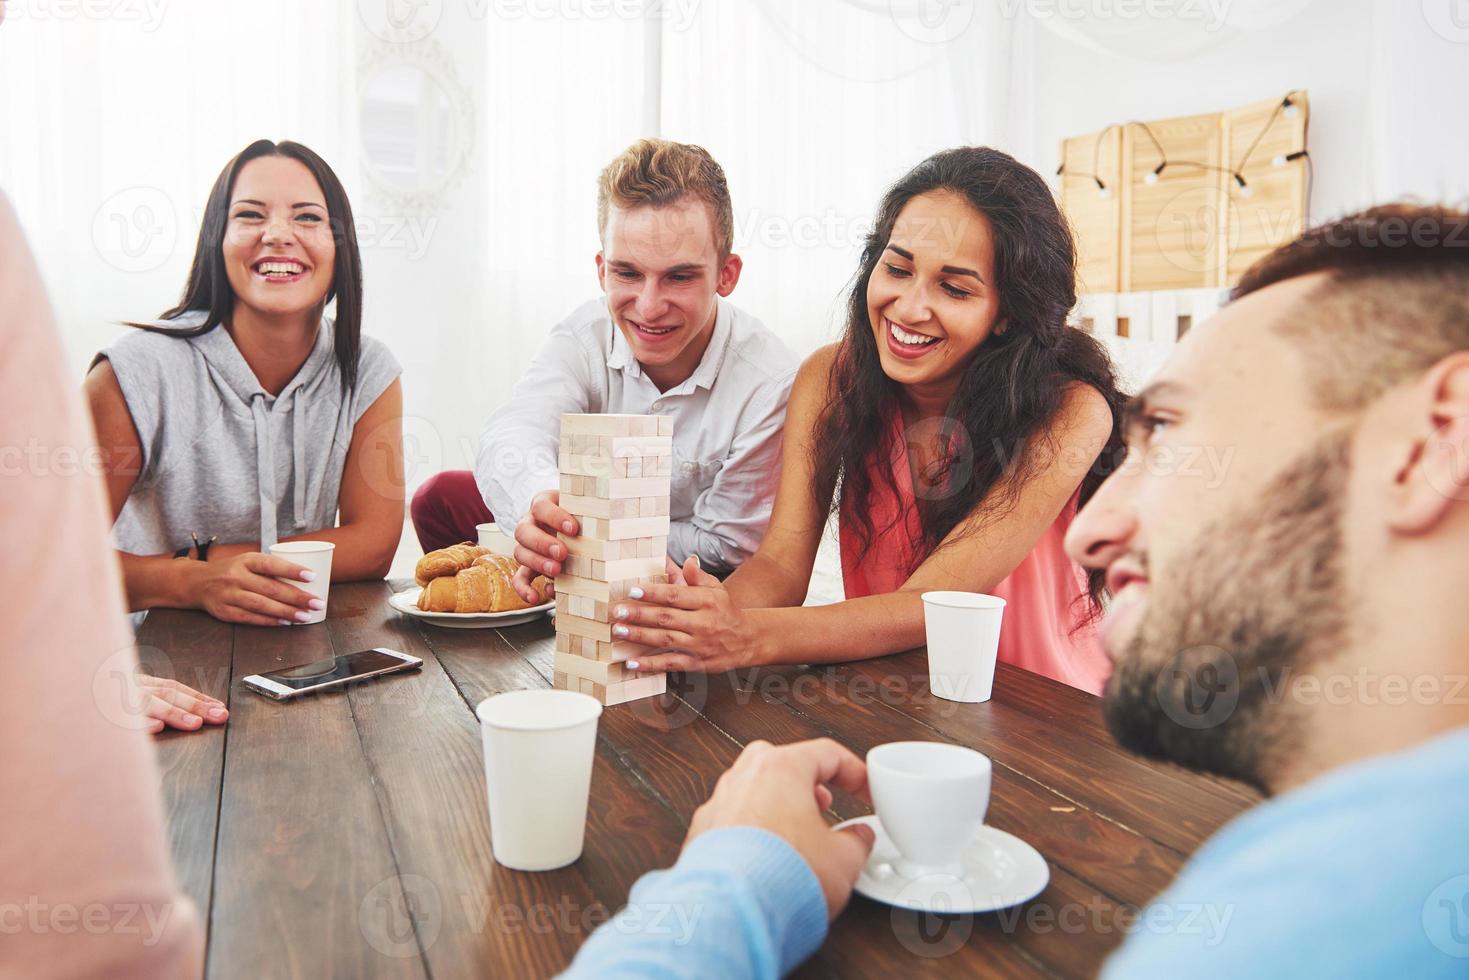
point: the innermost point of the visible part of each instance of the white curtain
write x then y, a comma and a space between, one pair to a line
814, 108
469, 136
113, 128
1158, 31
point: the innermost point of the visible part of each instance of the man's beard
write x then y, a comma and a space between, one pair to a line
1258, 599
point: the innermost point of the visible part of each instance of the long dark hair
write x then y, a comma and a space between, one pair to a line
1013, 387
208, 290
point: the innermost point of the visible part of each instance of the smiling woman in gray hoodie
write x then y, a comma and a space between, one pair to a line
248, 416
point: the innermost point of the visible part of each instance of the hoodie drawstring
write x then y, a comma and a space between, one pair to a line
298, 455
265, 467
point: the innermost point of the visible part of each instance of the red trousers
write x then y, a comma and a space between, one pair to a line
446, 509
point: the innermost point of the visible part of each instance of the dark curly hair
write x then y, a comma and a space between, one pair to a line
1016, 382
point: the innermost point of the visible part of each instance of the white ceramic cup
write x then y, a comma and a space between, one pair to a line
317, 556
539, 747
963, 631
490, 536
931, 798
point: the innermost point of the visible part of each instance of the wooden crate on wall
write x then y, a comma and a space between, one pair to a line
1098, 261
1193, 228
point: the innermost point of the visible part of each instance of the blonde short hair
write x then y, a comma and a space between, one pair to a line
661, 172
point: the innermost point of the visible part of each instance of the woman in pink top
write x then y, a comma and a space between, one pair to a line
954, 430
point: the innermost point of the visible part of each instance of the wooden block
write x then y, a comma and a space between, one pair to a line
610, 425
658, 447
603, 507
634, 525
586, 607
613, 488
616, 651
592, 589
634, 465
574, 585
604, 591
596, 548
612, 651
665, 425
652, 546
652, 506
638, 527
583, 464
597, 671
589, 628
665, 465
559, 680
593, 569
633, 568
645, 686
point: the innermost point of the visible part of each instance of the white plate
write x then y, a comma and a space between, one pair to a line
407, 602
1000, 870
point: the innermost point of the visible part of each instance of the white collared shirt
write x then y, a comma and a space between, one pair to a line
728, 419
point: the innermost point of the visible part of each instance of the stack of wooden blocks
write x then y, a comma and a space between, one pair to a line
615, 476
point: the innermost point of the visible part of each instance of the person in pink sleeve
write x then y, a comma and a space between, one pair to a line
954, 431
86, 888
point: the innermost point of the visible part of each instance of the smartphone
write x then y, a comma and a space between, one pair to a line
281, 685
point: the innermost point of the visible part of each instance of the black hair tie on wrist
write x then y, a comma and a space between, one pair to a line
202, 547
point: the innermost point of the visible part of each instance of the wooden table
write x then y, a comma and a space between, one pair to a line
347, 834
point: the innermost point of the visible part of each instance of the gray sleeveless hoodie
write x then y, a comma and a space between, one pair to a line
221, 455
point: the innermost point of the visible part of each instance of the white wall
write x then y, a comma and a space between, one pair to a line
1387, 81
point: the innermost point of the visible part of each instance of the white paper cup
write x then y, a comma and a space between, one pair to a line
931, 798
539, 747
490, 536
317, 556
963, 631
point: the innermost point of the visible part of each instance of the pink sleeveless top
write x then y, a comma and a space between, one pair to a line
1044, 596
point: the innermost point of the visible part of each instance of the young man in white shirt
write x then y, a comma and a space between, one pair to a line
660, 341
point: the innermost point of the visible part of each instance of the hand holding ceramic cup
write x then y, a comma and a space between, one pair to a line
931, 798
963, 631
315, 556
539, 747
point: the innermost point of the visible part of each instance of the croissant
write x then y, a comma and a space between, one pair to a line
447, 561
482, 587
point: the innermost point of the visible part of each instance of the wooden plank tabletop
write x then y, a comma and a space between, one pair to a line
346, 834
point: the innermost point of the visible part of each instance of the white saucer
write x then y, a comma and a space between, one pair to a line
1000, 870
406, 602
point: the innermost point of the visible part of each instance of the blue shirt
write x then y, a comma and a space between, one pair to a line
1363, 872
740, 902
